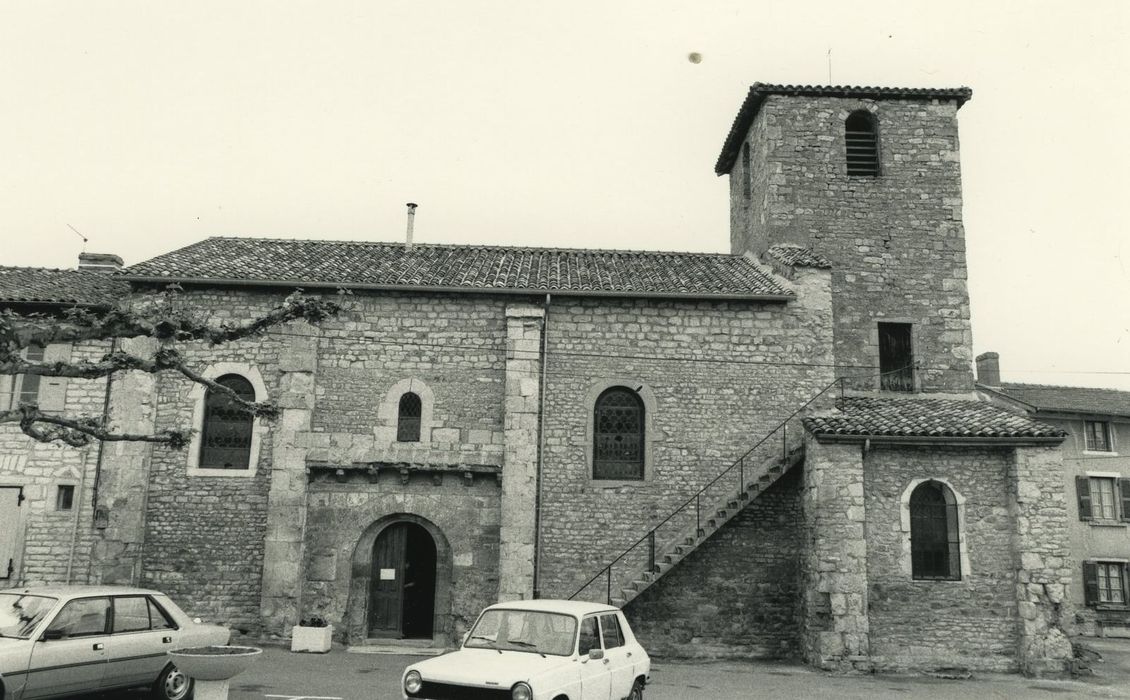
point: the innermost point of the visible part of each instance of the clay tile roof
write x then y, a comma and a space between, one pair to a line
796, 256
759, 91
37, 285
925, 418
461, 268
1068, 399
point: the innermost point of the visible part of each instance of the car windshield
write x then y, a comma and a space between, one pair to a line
19, 614
524, 630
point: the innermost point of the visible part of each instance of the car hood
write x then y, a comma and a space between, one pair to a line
488, 668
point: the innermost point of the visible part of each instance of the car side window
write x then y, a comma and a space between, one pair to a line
590, 637
158, 618
131, 614
610, 631
83, 617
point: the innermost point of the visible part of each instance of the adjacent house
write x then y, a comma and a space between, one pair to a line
1097, 471
776, 450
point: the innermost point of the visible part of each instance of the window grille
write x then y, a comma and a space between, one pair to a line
618, 435
408, 420
226, 439
1097, 434
861, 136
935, 544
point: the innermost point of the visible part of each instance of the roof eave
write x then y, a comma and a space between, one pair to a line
305, 284
938, 439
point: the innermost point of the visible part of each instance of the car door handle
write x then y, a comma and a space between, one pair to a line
166, 640
98, 647
629, 654
607, 661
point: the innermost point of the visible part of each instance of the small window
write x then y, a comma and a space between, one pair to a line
1103, 498
158, 618
408, 418
1097, 434
1105, 583
618, 437
226, 439
590, 637
25, 387
610, 631
935, 546
65, 497
896, 357
81, 618
861, 137
131, 614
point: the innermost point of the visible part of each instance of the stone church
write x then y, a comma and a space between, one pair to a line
772, 452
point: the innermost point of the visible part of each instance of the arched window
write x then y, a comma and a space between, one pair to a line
408, 418
861, 135
935, 543
226, 436
618, 435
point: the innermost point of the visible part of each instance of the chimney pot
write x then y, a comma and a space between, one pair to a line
106, 263
989, 369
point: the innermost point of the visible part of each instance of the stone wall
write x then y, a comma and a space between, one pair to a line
53, 546
896, 242
736, 595
923, 624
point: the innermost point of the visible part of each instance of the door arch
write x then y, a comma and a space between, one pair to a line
401, 581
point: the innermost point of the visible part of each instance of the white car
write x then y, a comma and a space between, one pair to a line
538, 650
65, 640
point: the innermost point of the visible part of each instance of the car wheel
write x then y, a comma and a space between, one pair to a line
637, 691
172, 684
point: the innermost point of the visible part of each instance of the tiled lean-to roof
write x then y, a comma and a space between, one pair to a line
797, 256
880, 417
1066, 399
759, 91
461, 268
38, 285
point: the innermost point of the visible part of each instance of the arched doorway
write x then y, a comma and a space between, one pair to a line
402, 584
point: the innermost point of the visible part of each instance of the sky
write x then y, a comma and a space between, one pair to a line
147, 126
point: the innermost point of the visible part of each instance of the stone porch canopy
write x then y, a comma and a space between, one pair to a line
469, 268
925, 421
759, 91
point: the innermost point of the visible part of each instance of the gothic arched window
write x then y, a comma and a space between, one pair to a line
408, 418
935, 543
226, 436
861, 135
618, 435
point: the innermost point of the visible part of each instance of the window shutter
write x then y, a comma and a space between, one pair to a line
1090, 583
1124, 487
1083, 491
53, 390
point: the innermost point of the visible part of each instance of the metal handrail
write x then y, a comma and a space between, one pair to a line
696, 498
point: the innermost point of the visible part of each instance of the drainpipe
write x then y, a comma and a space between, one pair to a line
541, 447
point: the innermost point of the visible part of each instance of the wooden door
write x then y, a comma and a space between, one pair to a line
386, 598
10, 499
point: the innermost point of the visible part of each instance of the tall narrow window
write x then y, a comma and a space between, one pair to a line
618, 438
861, 136
747, 174
1097, 434
408, 420
896, 357
226, 438
935, 545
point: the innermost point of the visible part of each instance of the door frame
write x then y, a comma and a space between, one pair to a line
18, 544
357, 614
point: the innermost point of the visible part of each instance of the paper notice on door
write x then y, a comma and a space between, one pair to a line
388, 574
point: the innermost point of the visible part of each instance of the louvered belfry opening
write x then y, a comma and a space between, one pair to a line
861, 134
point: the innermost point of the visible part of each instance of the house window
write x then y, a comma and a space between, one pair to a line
935, 545
408, 418
1097, 435
65, 497
1105, 583
1103, 498
618, 435
861, 137
226, 438
896, 357
25, 387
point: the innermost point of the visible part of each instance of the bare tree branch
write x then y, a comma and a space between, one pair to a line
79, 432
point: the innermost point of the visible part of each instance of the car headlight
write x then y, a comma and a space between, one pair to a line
521, 691
413, 682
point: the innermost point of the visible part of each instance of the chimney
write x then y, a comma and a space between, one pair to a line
411, 223
106, 263
989, 369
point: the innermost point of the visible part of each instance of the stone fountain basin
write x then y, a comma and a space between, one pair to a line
214, 663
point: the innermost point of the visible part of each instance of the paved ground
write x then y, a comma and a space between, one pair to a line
281, 675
